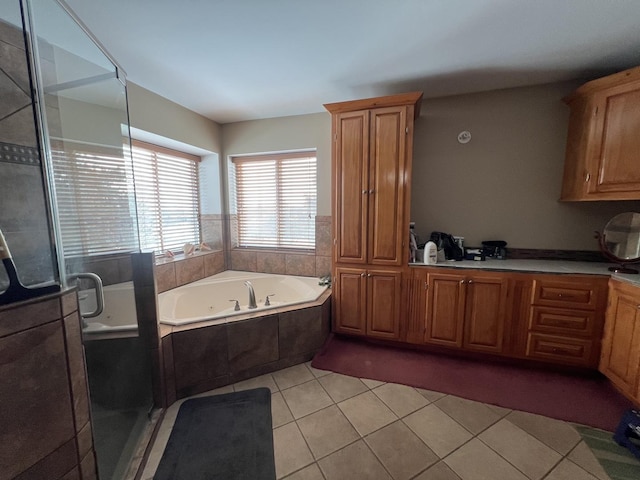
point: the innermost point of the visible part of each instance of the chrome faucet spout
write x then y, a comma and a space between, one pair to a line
252, 295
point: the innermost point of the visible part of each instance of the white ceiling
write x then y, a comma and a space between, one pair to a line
233, 60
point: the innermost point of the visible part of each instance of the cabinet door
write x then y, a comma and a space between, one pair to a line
617, 143
620, 359
351, 183
486, 299
387, 228
383, 303
445, 309
350, 301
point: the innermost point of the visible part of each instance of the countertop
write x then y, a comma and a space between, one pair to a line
539, 266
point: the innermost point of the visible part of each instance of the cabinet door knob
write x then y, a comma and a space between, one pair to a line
461, 282
470, 281
371, 192
588, 177
362, 274
368, 274
364, 192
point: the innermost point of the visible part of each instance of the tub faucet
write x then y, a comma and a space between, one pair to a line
252, 295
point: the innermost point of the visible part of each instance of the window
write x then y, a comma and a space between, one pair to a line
94, 197
97, 201
167, 197
275, 200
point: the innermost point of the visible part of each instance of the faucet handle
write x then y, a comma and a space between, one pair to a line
266, 300
237, 306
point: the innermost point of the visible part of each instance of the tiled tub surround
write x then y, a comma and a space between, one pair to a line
180, 270
200, 356
313, 264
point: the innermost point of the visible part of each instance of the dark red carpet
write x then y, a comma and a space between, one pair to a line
586, 400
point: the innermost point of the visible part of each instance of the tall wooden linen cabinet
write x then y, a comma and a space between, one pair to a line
371, 172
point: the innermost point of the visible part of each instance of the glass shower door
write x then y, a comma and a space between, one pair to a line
85, 126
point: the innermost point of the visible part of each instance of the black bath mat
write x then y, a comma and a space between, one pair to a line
223, 437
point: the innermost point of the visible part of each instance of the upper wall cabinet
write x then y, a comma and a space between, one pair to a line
603, 142
372, 149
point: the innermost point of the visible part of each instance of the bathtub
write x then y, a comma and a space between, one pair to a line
119, 313
210, 298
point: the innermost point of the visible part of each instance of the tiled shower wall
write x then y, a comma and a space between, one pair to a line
23, 216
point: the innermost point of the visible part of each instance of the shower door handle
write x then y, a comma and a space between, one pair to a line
97, 281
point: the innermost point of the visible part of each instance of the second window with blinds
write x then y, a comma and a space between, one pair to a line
167, 198
274, 197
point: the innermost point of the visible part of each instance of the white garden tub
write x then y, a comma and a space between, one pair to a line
210, 298
119, 313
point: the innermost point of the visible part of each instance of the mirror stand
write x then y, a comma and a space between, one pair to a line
623, 266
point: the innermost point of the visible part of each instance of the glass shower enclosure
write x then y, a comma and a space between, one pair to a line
82, 117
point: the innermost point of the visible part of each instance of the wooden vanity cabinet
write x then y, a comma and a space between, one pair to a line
620, 359
371, 167
460, 308
368, 302
566, 319
602, 160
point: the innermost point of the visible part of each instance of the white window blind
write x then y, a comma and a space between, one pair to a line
94, 195
166, 196
275, 197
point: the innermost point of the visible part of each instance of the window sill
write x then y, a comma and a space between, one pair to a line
282, 251
162, 259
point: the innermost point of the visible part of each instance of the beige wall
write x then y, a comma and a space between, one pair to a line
155, 114
286, 133
505, 183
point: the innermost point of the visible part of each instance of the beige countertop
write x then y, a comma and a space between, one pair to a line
538, 266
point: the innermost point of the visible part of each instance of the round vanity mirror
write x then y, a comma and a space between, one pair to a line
620, 241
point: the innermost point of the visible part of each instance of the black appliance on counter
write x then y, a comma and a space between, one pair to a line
495, 249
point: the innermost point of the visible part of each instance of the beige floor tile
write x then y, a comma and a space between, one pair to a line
290, 450
355, 462
280, 413
559, 435
402, 453
316, 371
475, 461
527, 453
474, 416
400, 398
567, 470
367, 413
257, 382
306, 398
430, 395
582, 456
371, 383
502, 411
438, 430
292, 376
327, 431
340, 387
312, 472
440, 471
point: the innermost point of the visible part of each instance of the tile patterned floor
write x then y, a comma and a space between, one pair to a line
328, 426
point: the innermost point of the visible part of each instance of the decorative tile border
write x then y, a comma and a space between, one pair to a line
10, 153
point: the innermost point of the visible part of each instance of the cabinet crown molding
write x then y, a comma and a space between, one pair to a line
625, 77
412, 98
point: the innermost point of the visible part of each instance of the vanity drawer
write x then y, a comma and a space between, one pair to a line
575, 293
558, 349
562, 321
